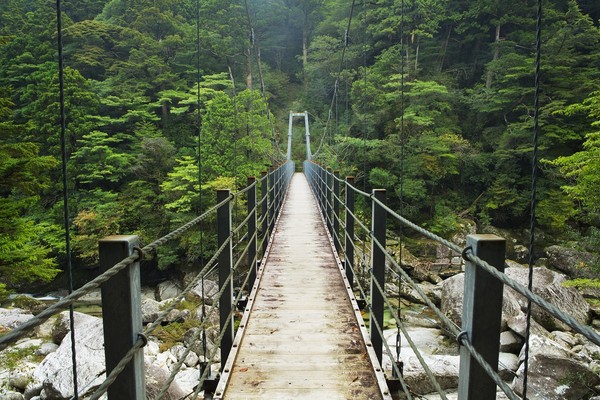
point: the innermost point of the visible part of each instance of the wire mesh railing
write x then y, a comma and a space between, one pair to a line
483, 292
240, 249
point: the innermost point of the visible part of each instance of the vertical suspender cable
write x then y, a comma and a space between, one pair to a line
198, 132
364, 96
534, 175
63, 147
398, 336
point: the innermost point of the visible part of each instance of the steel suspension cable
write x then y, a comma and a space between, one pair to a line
198, 132
65, 184
534, 176
401, 233
364, 97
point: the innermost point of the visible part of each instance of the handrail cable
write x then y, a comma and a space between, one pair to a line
220, 338
400, 325
177, 367
66, 301
451, 326
569, 320
468, 255
534, 175
394, 366
65, 187
140, 343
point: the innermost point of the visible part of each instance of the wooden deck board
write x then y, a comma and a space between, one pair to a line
302, 339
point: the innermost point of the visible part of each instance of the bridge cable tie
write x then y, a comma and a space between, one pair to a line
143, 338
461, 336
464, 254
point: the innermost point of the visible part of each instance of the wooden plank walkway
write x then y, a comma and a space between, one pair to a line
300, 337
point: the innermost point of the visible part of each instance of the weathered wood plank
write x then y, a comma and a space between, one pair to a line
302, 339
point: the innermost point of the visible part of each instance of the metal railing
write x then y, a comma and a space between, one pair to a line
484, 258
120, 285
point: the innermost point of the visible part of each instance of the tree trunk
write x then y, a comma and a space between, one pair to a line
249, 68
444, 49
417, 55
490, 72
304, 53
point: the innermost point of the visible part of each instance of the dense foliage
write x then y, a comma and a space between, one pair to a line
435, 106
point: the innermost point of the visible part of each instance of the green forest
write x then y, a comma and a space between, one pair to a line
434, 103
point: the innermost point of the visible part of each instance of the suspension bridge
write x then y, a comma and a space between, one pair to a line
301, 334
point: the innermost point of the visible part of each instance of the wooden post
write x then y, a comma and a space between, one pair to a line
349, 240
336, 211
252, 231
122, 317
482, 311
225, 265
378, 221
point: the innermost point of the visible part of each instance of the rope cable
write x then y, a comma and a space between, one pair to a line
65, 184
534, 176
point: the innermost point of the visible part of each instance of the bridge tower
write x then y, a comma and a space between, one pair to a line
289, 146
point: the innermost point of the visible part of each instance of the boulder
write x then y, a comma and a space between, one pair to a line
565, 338
549, 285
150, 310
452, 301
508, 364
55, 372
518, 324
10, 318
188, 379
510, 342
62, 325
408, 292
553, 377
444, 368
21, 376
572, 262
156, 377
211, 288
46, 348
10, 395
167, 290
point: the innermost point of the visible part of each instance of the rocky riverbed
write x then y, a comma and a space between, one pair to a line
563, 365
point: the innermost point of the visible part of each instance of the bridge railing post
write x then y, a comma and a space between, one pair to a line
349, 234
328, 200
264, 190
252, 231
225, 260
482, 310
336, 211
122, 317
271, 200
378, 226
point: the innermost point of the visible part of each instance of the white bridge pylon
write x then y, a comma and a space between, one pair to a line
289, 146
